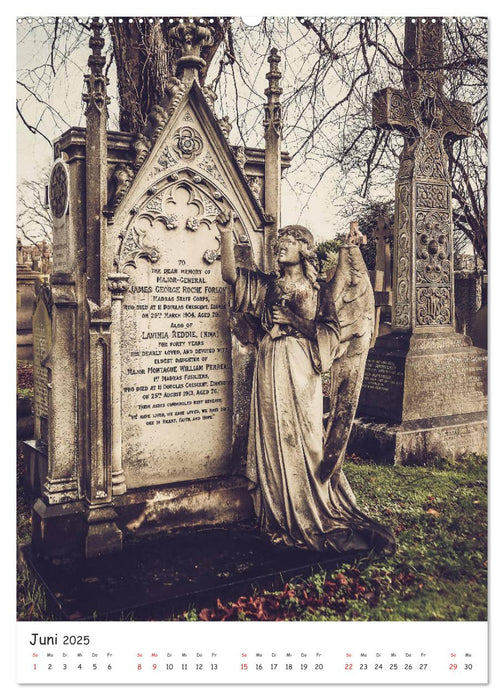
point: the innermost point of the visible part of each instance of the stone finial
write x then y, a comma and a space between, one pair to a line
190, 38
274, 75
272, 108
96, 61
96, 83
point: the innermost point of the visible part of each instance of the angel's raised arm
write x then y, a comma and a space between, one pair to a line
225, 224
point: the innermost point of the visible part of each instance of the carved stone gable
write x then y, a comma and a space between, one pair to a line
184, 134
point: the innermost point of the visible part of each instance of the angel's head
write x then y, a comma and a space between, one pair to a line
295, 244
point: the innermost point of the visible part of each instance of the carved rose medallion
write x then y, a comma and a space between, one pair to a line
58, 189
188, 142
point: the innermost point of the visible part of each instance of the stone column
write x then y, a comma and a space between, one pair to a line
272, 157
118, 285
103, 535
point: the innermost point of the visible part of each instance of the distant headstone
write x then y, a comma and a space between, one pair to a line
28, 283
382, 277
468, 301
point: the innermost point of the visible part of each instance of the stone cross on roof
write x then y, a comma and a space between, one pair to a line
423, 248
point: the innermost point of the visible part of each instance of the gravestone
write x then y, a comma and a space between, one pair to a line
424, 390
28, 283
149, 395
469, 292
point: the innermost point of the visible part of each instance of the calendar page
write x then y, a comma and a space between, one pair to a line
251, 360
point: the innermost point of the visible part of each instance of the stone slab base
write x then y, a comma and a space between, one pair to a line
158, 575
193, 504
418, 441
65, 530
35, 465
415, 377
58, 530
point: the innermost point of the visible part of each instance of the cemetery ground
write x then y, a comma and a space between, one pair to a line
439, 572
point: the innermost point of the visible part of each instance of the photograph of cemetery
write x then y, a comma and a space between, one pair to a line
251, 288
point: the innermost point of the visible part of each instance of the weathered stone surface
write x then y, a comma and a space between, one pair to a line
146, 396
58, 530
423, 376
176, 373
42, 342
188, 504
420, 441
422, 371
35, 466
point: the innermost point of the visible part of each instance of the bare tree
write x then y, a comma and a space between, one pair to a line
34, 221
331, 68
145, 56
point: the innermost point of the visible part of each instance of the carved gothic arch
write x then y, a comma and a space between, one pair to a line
157, 203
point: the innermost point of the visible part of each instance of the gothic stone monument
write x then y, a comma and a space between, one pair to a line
147, 394
424, 391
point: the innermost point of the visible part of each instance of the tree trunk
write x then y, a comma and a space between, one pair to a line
145, 57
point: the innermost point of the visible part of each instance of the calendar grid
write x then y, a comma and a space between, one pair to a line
151, 652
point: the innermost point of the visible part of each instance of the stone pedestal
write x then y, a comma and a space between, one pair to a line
423, 395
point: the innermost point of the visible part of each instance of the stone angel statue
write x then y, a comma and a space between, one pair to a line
304, 327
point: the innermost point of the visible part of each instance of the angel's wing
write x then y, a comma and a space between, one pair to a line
347, 294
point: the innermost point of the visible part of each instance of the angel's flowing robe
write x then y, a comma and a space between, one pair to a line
286, 435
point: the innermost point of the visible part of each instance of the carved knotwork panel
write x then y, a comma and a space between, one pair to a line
457, 118
433, 247
430, 156
433, 306
394, 108
432, 196
402, 253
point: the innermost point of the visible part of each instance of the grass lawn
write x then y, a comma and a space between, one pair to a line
439, 571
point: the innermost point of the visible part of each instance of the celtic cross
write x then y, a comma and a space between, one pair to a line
423, 227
